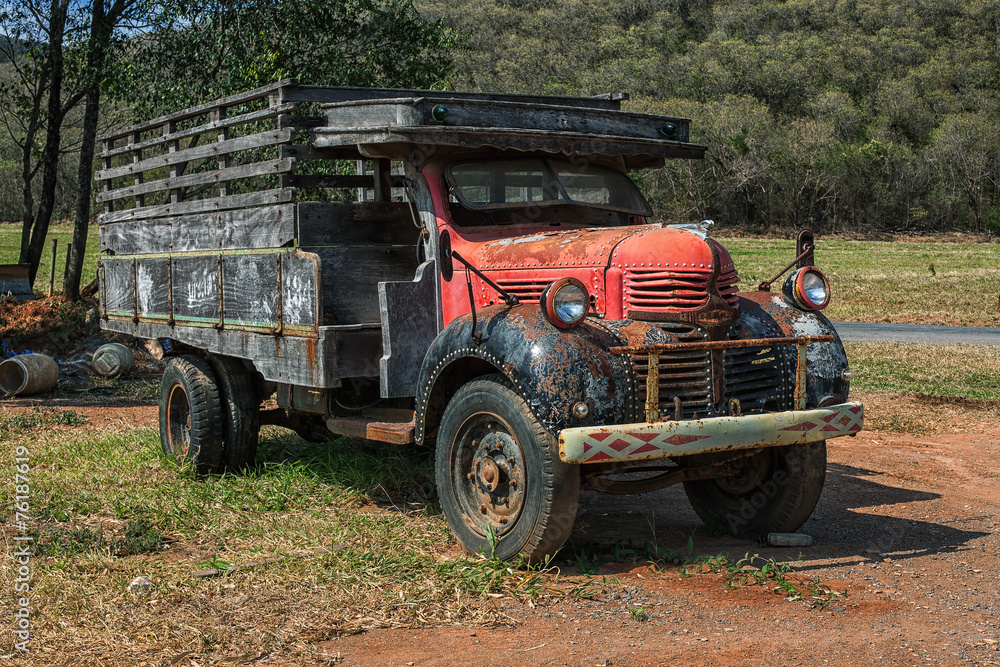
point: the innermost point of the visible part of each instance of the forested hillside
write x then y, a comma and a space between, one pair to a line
840, 114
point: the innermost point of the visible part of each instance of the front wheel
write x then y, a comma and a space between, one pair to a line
774, 490
502, 487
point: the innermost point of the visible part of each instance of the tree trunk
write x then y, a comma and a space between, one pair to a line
53, 137
100, 38
27, 176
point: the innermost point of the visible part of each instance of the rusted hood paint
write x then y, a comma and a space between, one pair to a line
641, 245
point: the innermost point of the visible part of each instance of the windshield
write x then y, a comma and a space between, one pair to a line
504, 184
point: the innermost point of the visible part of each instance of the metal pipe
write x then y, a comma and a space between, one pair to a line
800, 379
720, 344
653, 388
52, 267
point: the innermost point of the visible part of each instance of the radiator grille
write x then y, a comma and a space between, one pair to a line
760, 378
526, 290
757, 378
727, 284
661, 290
683, 374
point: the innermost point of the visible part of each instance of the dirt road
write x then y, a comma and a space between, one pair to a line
906, 528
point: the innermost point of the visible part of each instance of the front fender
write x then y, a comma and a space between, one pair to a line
766, 313
552, 369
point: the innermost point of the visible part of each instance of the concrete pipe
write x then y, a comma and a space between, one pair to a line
28, 374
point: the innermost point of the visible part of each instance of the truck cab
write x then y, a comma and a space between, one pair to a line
475, 273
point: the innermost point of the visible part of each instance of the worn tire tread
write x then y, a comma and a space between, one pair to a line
240, 413
560, 482
785, 512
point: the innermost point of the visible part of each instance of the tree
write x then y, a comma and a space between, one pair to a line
106, 18
35, 106
203, 50
966, 153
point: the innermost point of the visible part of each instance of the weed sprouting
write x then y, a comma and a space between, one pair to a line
140, 538
41, 416
638, 614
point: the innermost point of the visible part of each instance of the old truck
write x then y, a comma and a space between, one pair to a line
475, 272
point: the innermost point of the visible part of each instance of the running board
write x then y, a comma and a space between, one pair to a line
394, 426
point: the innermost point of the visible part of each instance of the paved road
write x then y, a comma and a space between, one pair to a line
917, 333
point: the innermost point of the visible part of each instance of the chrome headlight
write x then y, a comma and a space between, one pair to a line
565, 303
807, 288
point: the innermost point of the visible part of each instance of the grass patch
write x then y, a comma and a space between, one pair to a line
969, 372
39, 416
10, 248
882, 281
107, 508
924, 389
755, 570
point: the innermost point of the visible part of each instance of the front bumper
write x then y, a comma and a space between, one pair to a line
659, 439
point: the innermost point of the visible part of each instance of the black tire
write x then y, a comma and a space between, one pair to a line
775, 492
240, 413
191, 414
497, 467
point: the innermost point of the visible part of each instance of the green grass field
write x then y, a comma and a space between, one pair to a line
882, 281
10, 248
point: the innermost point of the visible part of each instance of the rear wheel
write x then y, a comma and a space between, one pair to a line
240, 413
772, 491
502, 487
191, 414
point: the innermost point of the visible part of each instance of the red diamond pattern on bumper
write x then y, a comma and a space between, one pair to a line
651, 440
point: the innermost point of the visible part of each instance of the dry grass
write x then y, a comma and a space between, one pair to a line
394, 563
918, 388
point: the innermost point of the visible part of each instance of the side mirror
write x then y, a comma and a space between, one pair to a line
444, 248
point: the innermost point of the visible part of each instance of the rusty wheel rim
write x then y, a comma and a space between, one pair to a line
748, 474
488, 474
179, 422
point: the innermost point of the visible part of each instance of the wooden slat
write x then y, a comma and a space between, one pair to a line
217, 176
328, 181
263, 114
119, 287
308, 361
250, 292
262, 198
307, 152
250, 141
251, 228
232, 100
300, 122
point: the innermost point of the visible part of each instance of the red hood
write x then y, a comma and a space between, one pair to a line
645, 246
645, 269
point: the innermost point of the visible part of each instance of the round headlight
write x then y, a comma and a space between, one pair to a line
565, 303
807, 288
